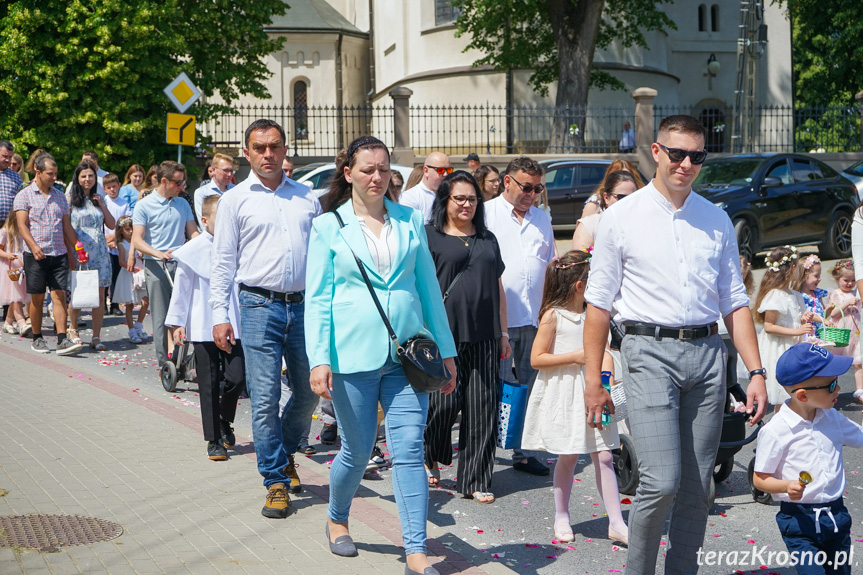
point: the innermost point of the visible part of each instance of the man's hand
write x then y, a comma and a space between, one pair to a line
321, 381
223, 336
38, 254
596, 399
756, 392
178, 333
450, 365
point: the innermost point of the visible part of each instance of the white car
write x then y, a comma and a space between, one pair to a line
318, 176
854, 173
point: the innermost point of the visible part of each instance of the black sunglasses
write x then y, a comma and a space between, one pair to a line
677, 155
527, 188
618, 196
830, 387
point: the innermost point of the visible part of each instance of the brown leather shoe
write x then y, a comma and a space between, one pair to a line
291, 472
278, 502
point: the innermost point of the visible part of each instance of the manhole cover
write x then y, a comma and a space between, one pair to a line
48, 532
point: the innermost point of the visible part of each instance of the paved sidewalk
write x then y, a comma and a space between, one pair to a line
78, 439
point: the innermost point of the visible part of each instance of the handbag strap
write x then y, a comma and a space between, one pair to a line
458, 276
393, 337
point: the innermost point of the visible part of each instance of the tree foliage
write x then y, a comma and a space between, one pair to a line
828, 52
77, 75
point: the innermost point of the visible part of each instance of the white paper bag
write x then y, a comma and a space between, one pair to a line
84, 285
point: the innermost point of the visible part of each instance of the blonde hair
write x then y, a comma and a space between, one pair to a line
11, 227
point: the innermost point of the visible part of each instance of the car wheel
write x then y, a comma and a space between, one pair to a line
747, 239
837, 241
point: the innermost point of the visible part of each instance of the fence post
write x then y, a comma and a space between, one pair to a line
402, 152
644, 129
859, 97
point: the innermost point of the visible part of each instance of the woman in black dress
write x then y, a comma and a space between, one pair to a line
468, 264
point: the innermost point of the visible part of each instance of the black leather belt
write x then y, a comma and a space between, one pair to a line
658, 331
290, 297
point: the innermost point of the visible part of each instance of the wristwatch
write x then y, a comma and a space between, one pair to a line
760, 371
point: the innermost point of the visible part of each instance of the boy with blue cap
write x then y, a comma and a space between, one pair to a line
799, 460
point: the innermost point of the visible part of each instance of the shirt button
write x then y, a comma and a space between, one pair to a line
685, 284
681, 260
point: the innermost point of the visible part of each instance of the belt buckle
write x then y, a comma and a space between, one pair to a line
680, 333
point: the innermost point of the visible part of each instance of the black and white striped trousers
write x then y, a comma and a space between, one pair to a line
476, 396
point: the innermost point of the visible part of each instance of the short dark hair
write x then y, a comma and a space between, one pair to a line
441, 200
91, 154
526, 165
263, 124
167, 169
42, 160
681, 123
7, 145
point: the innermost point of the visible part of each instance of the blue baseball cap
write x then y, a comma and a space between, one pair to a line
806, 360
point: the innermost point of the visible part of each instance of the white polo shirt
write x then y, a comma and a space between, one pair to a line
526, 247
419, 198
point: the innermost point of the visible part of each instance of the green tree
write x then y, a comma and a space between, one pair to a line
76, 74
556, 39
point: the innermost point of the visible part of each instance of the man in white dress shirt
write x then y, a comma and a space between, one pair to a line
421, 197
221, 172
526, 241
262, 234
667, 260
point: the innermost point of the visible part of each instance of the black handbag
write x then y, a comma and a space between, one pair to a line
419, 356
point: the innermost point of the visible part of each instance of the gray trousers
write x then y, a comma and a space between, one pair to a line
159, 288
521, 340
675, 399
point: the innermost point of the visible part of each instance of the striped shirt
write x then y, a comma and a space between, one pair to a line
10, 183
46, 213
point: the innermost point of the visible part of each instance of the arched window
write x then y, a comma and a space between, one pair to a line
301, 105
714, 18
702, 18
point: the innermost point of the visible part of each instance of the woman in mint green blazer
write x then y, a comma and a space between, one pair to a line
349, 350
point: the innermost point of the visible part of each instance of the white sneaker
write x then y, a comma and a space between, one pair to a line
133, 335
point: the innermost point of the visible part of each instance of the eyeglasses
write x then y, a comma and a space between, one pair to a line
462, 200
618, 196
440, 171
229, 171
677, 155
830, 387
493, 182
527, 188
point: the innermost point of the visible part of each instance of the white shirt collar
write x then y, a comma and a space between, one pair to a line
793, 419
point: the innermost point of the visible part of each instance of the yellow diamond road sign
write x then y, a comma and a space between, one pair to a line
182, 92
181, 130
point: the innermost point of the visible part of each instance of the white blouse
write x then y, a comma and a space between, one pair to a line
383, 248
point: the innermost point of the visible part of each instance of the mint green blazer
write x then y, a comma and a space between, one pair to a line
343, 328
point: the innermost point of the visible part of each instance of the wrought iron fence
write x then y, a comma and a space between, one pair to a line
498, 129
776, 128
310, 130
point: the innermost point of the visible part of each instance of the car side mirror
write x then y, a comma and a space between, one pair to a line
771, 182
310, 184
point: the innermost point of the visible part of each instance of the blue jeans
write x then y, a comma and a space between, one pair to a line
273, 330
355, 398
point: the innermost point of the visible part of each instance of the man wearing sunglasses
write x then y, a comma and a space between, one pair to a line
526, 242
421, 197
667, 261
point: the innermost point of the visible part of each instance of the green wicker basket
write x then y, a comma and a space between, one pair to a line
838, 335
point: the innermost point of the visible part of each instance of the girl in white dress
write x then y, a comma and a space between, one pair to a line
847, 311
555, 420
131, 288
783, 315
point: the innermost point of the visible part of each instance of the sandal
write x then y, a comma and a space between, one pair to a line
433, 476
72, 334
96, 343
481, 497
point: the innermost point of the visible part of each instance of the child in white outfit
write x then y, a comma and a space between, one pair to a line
130, 289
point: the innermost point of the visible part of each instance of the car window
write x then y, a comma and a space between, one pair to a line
855, 169
802, 171
825, 170
322, 180
559, 178
727, 171
592, 175
782, 172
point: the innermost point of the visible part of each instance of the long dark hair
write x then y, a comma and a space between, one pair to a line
340, 188
561, 276
441, 200
78, 195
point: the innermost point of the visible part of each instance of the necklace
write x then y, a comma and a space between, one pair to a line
465, 240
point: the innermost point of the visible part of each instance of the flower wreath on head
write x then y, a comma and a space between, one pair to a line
844, 264
786, 259
810, 261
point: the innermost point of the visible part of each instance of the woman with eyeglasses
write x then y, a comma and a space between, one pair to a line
469, 266
488, 178
617, 185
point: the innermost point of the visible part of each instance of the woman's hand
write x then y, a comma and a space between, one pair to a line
321, 380
450, 365
505, 348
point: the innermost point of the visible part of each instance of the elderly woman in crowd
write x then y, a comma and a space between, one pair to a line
89, 215
469, 265
616, 186
350, 353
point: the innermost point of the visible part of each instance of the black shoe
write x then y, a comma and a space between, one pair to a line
531, 466
228, 437
329, 434
115, 310
216, 451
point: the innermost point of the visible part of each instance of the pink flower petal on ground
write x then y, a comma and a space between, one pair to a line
571, 548
615, 548
578, 479
751, 541
626, 501
525, 502
588, 540
480, 531
717, 535
858, 540
551, 556
531, 545
615, 571
662, 542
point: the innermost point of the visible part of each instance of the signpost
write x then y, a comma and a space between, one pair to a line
181, 127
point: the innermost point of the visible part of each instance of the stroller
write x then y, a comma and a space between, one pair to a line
181, 363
